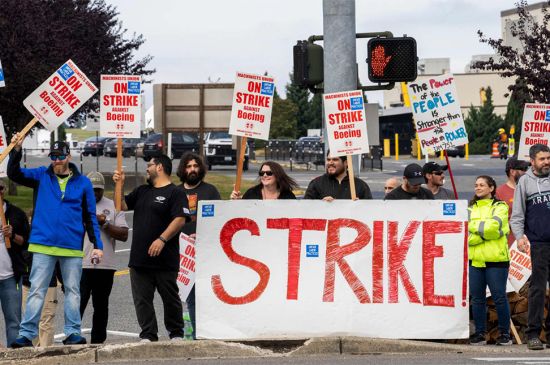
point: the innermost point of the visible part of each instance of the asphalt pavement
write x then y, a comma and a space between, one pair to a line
123, 325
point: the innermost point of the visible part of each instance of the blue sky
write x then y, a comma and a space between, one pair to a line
195, 41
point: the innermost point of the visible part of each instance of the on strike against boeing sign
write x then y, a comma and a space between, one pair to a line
378, 269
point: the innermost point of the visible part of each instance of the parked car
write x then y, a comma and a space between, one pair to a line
129, 146
456, 151
94, 146
308, 144
218, 150
181, 142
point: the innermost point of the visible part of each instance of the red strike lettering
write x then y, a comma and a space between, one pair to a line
295, 228
63, 91
250, 99
226, 237
429, 252
336, 254
397, 253
120, 100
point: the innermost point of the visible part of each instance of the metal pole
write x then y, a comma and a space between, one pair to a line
340, 60
97, 150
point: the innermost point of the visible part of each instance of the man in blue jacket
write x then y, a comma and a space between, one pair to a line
64, 210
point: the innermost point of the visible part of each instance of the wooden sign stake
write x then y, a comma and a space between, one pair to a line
240, 163
118, 185
351, 178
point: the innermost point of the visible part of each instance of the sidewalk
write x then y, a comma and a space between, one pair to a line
228, 349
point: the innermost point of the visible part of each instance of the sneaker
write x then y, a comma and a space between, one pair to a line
20, 342
504, 340
176, 339
144, 340
534, 344
478, 339
74, 339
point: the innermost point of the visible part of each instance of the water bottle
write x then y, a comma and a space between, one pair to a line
187, 326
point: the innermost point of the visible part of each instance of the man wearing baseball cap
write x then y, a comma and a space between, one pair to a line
97, 277
411, 188
64, 210
434, 176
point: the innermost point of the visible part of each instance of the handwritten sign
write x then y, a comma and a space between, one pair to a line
437, 116
120, 114
535, 128
346, 123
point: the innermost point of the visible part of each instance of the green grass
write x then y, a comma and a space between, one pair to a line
79, 134
23, 199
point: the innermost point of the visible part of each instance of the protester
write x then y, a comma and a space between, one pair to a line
335, 183
274, 184
64, 210
411, 188
434, 177
391, 184
154, 257
514, 170
97, 277
191, 172
12, 265
489, 259
530, 225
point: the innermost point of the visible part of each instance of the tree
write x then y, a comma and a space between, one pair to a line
530, 63
315, 112
36, 37
283, 118
300, 98
482, 125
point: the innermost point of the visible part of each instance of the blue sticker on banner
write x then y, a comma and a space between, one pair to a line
267, 88
1, 75
356, 103
208, 210
133, 87
65, 71
312, 250
547, 117
449, 209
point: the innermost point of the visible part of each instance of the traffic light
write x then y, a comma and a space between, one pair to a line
392, 59
308, 64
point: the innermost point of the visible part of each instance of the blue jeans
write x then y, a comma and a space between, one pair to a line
495, 278
41, 275
10, 298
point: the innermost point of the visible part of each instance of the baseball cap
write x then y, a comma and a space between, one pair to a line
431, 167
413, 173
59, 148
514, 164
97, 179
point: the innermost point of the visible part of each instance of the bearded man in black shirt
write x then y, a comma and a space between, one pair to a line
159, 215
191, 172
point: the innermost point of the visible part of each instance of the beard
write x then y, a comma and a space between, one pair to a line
192, 179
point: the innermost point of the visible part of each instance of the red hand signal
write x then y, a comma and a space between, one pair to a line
379, 61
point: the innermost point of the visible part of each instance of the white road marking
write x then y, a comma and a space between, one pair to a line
122, 250
529, 359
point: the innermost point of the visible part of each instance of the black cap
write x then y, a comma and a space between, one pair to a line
413, 173
431, 167
59, 148
514, 164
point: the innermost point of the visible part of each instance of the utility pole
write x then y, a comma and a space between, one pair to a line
340, 61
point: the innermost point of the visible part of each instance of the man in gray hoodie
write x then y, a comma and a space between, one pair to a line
529, 222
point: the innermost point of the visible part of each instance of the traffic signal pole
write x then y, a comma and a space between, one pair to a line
340, 61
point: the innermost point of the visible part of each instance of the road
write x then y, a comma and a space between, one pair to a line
123, 325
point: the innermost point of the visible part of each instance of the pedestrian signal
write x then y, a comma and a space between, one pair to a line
392, 59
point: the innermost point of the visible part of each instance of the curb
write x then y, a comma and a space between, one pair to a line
203, 349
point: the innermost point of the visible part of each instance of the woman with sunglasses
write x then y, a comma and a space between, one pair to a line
489, 259
274, 184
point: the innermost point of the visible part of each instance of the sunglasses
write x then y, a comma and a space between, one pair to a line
60, 157
268, 173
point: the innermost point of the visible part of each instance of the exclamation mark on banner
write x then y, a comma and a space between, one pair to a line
465, 269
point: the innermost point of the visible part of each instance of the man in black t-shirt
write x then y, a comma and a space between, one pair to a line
191, 172
411, 188
154, 258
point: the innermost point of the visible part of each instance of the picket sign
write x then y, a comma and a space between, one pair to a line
2, 173
250, 112
309, 268
56, 99
186, 274
346, 127
534, 128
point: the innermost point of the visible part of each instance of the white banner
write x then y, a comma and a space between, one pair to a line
186, 275
346, 123
3, 144
535, 128
60, 96
252, 105
437, 116
120, 111
298, 269
2, 80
